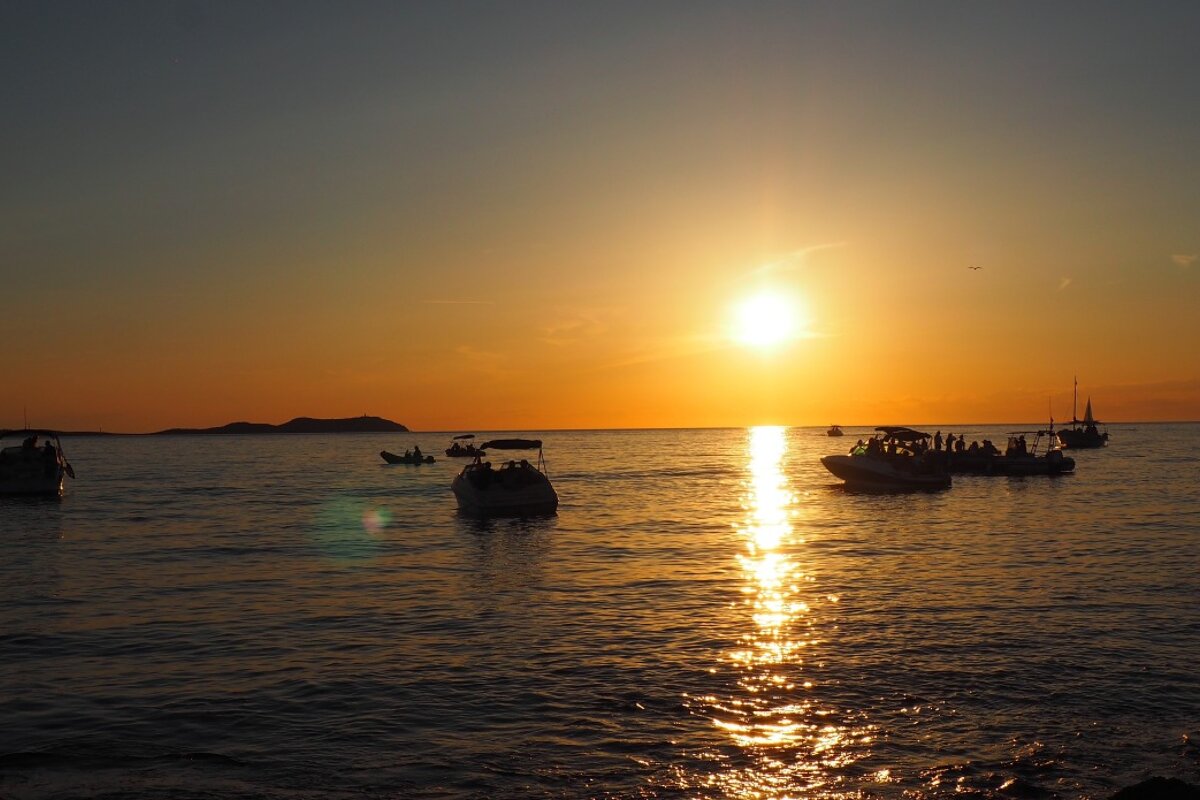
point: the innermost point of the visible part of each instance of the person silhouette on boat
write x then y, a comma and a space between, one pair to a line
937, 441
417, 452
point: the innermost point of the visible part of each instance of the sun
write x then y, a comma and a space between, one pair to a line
766, 319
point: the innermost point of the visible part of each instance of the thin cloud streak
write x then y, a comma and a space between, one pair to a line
1184, 260
576, 325
459, 302
794, 259
686, 347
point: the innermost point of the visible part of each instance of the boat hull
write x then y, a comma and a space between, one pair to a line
1082, 439
499, 498
1011, 465
866, 473
15, 480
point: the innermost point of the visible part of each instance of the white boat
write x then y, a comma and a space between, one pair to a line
34, 467
516, 489
895, 459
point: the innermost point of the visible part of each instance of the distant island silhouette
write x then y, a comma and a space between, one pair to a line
363, 424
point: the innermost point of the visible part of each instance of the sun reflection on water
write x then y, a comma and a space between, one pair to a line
789, 743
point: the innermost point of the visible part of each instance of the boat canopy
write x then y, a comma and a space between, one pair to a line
513, 444
901, 433
465, 436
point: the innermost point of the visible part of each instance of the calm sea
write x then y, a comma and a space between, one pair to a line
708, 616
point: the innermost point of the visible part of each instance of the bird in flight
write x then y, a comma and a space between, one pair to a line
974, 267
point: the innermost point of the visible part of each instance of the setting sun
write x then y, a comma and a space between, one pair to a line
766, 319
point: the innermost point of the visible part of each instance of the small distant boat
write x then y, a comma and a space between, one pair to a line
1083, 433
30, 468
407, 458
834, 430
517, 489
1044, 457
895, 459
467, 449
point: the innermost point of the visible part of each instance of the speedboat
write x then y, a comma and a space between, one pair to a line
1044, 457
895, 459
1083, 433
834, 430
464, 449
407, 458
516, 489
30, 468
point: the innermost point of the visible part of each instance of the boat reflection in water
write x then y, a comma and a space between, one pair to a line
788, 744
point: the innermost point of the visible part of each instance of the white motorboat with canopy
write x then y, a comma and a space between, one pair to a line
895, 459
33, 468
516, 489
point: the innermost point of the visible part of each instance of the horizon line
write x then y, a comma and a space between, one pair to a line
182, 431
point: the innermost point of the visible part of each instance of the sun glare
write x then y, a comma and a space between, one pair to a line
766, 319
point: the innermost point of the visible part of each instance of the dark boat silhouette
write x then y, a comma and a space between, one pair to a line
1043, 458
462, 447
32, 469
516, 489
407, 458
1084, 433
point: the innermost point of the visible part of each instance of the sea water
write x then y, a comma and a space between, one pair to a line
709, 615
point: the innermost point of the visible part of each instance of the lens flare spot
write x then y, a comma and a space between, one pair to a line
375, 519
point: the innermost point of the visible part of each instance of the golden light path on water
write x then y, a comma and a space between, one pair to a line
795, 747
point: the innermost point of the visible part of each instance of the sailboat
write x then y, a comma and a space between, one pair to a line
1083, 433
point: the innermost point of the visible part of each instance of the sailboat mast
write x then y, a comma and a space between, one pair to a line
1075, 401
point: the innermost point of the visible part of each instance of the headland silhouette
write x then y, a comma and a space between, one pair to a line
363, 424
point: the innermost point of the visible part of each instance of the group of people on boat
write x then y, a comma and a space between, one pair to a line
919, 447
456, 450
514, 473
29, 451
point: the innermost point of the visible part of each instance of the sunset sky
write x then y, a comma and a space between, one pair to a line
531, 215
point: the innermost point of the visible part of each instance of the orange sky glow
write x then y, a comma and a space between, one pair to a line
266, 222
